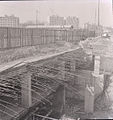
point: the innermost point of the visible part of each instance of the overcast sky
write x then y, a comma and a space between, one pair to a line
83, 9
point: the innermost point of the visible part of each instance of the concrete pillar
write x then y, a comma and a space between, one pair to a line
97, 65
26, 90
63, 70
93, 62
73, 65
92, 90
107, 90
97, 82
89, 90
74, 81
89, 99
106, 81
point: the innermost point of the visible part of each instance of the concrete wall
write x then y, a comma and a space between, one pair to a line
108, 98
87, 77
106, 63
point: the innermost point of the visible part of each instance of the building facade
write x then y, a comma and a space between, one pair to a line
56, 20
9, 21
70, 20
74, 21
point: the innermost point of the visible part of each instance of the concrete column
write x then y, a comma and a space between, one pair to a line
97, 82
63, 70
26, 90
93, 62
106, 81
73, 65
89, 90
107, 88
92, 90
89, 99
74, 81
97, 65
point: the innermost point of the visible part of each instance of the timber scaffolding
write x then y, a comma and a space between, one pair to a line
45, 79
34, 81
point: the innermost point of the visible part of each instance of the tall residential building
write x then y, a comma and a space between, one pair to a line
9, 21
72, 20
56, 20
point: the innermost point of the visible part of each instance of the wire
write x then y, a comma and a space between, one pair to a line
45, 86
68, 72
32, 96
32, 85
34, 91
57, 80
45, 117
8, 103
37, 94
9, 108
7, 113
49, 77
38, 87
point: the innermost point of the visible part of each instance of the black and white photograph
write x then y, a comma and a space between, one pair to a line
56, 59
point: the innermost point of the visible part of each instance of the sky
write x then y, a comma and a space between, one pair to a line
85, 10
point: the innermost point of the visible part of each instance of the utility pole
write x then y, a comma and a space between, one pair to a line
36, 17
95, 17
95, 22
98, 12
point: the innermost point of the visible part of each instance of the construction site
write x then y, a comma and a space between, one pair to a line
53, 72
63, 81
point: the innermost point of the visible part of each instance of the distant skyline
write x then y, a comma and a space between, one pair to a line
85, 10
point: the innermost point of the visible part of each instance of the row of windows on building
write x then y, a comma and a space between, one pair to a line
9, 21
12, 21
57, 20
54, 20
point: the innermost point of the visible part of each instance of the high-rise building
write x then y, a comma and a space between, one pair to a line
74, 21
56, 20
9, 21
